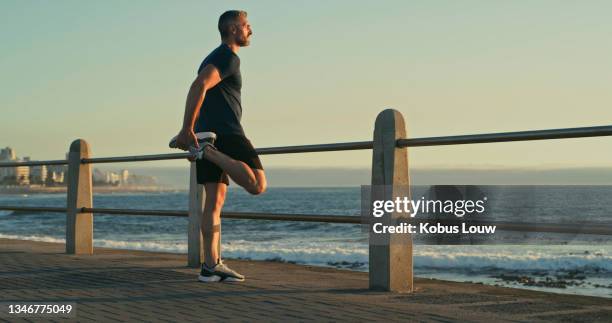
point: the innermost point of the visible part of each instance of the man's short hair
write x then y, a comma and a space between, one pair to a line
227, 19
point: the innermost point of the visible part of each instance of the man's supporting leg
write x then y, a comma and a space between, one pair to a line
253, 180
211, 221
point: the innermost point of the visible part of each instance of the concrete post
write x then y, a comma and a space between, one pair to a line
79, 226
195, 247
390, 264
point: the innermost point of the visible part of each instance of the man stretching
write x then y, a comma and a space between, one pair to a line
214, 105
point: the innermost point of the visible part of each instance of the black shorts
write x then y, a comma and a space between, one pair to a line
235, 146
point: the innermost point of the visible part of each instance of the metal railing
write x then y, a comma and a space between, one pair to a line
79, 182
326, 218
562, 133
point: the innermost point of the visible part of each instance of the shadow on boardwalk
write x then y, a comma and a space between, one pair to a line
144, 286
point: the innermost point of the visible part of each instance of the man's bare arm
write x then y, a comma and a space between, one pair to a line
207, 79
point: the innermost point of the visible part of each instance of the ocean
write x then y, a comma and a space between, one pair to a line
580, 265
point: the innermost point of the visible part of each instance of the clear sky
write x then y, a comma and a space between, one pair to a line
116, 73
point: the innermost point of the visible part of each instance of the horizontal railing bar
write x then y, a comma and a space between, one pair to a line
231, 215
347, 219
356, 145
32, 208
236, 215
508, 136
135, 158
135, 212
563, 133
262, 151
34, 163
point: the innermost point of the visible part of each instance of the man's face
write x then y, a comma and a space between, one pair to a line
243, 32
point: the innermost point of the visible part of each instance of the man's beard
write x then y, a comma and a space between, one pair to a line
243, 42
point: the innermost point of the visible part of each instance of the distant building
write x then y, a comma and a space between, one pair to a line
125, 175
7, 154
98, 176
55, 174
56, 177
22, 175
38, 174
19, 175
114, 178
142, 180
108, 178
26, 175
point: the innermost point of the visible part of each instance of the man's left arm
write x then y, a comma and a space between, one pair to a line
208, 78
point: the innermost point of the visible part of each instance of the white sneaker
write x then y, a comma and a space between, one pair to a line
204, 139
219, 273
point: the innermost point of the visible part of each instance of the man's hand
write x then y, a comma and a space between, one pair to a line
185, 139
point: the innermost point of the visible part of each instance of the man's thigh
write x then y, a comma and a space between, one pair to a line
240, 148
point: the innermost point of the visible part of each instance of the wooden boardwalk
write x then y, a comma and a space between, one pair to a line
118, 285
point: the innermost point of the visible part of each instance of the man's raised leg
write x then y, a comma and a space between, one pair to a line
253, 180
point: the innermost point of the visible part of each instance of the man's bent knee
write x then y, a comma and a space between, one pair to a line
257, 184
257, 189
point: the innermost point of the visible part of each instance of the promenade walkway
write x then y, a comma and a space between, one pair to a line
119, 285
